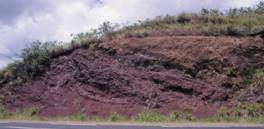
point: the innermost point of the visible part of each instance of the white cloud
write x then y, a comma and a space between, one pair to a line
2, 63
3, 49
59, 19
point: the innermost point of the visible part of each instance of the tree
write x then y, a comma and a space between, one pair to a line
183, 18
215, 13
260, 8
245, 11
34, 59
232, 12
205, 12
106, 29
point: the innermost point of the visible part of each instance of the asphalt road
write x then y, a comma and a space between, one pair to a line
17, 125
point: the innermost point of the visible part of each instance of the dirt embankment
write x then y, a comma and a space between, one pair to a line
128, 76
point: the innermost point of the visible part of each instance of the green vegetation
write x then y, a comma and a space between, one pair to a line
28, 114
255, 78
208, 22
114, 117
35, 58
241, 113
33, 61
258, 79
158, 117
151, 117
181, 116
249, 113
233, 22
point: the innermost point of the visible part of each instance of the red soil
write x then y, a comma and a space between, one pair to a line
128, 76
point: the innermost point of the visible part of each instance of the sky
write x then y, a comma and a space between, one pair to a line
24, 21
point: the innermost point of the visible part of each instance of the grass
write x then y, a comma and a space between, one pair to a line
258, 79
158, 117
27, 114
151, 117
115, 117
198, 25
245, 113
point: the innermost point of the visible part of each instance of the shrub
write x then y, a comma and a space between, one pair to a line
183, 18
167, 19
96, 118
34, 60
151, 117
158, 117
205, 12
185, 115
83, 40
2, 112
260, 7
216, 20
26, 114
215, 13
233, 12
258, 78
107, 29
254, 78
240, 112
114, 117
234, 30
77, 117
258, 81
250, 110
224, 114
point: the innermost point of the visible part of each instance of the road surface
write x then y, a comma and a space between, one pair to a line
28, 125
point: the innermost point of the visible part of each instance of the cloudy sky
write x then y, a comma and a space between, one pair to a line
23, 21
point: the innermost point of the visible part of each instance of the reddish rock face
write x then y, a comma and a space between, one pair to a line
128, 76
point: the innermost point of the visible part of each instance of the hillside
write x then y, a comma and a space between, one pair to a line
166, 67
132, 75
